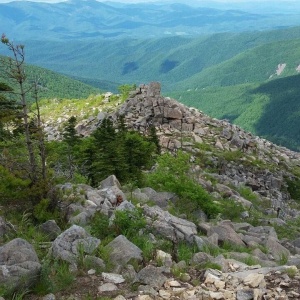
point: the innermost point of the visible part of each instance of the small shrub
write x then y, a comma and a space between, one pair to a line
128, 223
99, 226
231, 210
176, 271
250, 261
291, 272
209, 265
146, 246
43, 213
212, 250
283, 259
104, 253
247, 193
186, 251
230, 247
55, 276
173, 175
294, 188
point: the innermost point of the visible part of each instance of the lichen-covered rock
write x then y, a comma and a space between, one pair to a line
169, 226
72, 242
19, 265
122, 251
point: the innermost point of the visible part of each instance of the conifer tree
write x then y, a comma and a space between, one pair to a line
71, 138
8, 110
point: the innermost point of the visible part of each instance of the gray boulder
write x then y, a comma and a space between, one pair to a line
68, 245
51, 229
277, 250
151, 276
109, 182
19, 265
296, 243
4, 228
169, 226
226, 234
122, 251
160, 198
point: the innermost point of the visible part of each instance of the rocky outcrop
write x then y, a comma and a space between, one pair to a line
259, 164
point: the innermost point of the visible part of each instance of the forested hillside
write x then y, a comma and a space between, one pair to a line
270, 109
54, 85
177, 62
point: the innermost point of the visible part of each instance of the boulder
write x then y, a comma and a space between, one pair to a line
276, 249
151, 276
109, 182
4, 228
226, 234
51, 229
122, 251
19, 265
69, 244
169, 226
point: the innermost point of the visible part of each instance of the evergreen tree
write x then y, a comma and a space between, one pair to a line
116, 151
70, 135
138, 154
8, 110
71, 139
154, 138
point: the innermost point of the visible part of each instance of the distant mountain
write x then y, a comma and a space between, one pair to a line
270, 109
179, 63
77, 19
258, 64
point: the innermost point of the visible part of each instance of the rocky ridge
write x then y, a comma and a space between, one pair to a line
231, 156
254, 162
224, 158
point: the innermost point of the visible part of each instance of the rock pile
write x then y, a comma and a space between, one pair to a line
164, 277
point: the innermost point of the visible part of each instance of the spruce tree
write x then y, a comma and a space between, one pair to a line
71, 138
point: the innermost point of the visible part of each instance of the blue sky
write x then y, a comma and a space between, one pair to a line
136, 1
53, 1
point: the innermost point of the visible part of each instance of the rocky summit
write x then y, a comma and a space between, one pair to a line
248, 159
250, 252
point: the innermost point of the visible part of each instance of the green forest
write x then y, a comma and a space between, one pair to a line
269, 109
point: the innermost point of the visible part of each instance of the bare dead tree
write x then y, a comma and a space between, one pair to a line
14, 70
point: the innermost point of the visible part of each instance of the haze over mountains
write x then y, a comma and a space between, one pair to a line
212, 55
77, 19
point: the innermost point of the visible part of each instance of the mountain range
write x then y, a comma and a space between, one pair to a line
77, 19
230, 60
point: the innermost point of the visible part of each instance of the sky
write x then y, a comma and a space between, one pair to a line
137, 1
